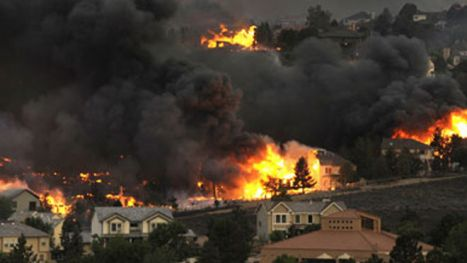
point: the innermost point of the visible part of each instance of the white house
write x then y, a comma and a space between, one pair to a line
129, 222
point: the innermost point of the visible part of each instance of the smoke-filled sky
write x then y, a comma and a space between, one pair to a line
96, 85
271, 9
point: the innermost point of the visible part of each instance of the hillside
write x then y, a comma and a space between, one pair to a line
431, 200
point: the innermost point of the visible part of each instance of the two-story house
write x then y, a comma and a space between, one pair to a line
36, 239
131, 223
423, 152
23, 199
55, 222
344, 236
280, 216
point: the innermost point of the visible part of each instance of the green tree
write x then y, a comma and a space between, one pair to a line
277, 188
456, 243
119, 250
436, 256
318, 18
277, 236
302, 179
231, 236
406, 250
162, 255
210, 254
441, 231
264, 35
38, 224
170, 237
6, 208
410, 225
71, 240
407, 165
404, 24
374, 259
21, 253
383, 23
285, 259
458, 150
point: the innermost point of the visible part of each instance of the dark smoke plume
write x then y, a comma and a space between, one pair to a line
327, 100
86, 91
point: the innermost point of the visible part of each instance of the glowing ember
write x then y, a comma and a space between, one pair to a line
125, 200
454, 123
244, 38
273, 162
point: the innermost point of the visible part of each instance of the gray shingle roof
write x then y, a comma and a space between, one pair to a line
134, 214
48, 218
330, 158
304, 207
14, 192
404, 144
13, 229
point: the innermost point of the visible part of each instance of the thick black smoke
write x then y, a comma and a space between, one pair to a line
327, 100
84, 88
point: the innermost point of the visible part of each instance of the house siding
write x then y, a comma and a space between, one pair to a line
23, 200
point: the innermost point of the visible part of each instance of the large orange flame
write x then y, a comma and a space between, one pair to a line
54, 199
244, 38
454, 123
125, 200
276, 163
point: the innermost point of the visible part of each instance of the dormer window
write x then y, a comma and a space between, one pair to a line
115, 227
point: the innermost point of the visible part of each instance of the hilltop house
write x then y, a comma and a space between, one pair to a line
424, 152
344, 235
36, 239
23, 199
55, 221
331, 166
280, 216
131, 223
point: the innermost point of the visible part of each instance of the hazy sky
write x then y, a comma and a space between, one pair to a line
276, 8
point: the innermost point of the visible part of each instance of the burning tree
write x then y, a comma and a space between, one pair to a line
303, 180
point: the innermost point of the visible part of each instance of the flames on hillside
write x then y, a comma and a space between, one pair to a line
225, 37
453, 123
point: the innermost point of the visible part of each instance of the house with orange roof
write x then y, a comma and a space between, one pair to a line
345, 235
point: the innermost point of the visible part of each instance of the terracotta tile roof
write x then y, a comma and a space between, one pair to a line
364, 240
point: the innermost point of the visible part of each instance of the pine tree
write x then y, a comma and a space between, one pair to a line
441, 151
71, 239
303, 179
406, 250
21, 253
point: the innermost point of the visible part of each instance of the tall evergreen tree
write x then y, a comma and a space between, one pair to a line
264, 35
441, 151
383, 23
406, 250
21, 253
303, 180
71, 239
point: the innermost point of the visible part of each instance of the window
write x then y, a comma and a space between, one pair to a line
43, 243
32, 206
310, 219
115, 227
328, 170
134, 225
41, 257
153, 226
281, 219
297, 219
